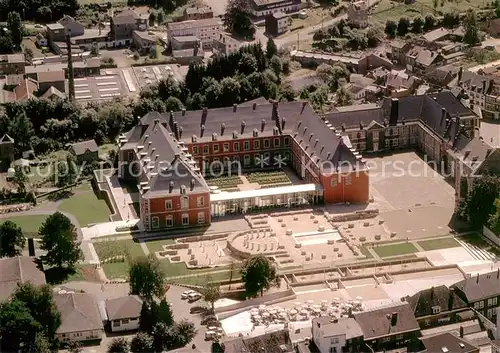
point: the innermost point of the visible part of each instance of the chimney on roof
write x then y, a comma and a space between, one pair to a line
255, 133
311, 136
393, 118
460, 72
477, 279
214, 136
180, 132
461, 332
443, 114
432, 292
170, 186
303, 106
156, 121
192, 184
275, 111
484, 87
361, 126
254, 106
283, 121
222, 128
262, 125
343, 127
242, 127
394, 319
183, 111
235, 107
202, 129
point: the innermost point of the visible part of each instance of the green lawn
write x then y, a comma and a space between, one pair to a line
202, 280
435, 244
107, 249
157, 245
29, 224
85, 206
395, 249
365, 252
116, 270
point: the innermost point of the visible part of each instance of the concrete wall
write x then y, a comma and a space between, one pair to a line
491, 236
265, 299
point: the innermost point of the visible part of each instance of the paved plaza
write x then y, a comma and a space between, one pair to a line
108, 86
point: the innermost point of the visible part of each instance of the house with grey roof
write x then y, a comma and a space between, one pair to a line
338, 335
446, 342
125, 23
481, 292
80, 318
123, 313
389, 327
269, 342
420, 60
85, 151
15, 270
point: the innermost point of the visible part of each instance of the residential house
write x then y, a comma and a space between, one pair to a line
357, 14
399, 84
72, 26
185, 42
481, 292
226, 44
198, 13
19, 269
80, 318
277, 23
372, 61
53, 94
446, 343
207, 30
442, 76
261, 8
85, 151
439, 34
337, 335
356, 91
124, 24
55, 33
49, 79
399, 48
188, 56
436, 306
270, 342
388, 327
123, 313
26, 90
12, 64
143, 41
421, 61
6, 158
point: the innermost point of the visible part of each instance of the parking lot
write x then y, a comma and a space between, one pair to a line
100, 87
147, 75
413, 200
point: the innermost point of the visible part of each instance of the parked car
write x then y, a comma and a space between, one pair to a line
194, 296
185, 294
209, 320
198, 309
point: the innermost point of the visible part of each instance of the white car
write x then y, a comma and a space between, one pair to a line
185, 294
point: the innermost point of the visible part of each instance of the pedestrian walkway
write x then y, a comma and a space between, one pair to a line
477, 252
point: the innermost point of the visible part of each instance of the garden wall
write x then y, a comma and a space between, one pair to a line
488, 233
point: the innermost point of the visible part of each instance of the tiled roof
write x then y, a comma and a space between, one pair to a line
124, 307
81, 147
175, 26
79, 312
480, 286
447, 342
330, 327
387, 321
50, 76
436, 34
423, 301
52, 92
20, 269
272, 342
26, 89
127, 16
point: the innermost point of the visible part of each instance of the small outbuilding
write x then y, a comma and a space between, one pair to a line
123, 313
85, 151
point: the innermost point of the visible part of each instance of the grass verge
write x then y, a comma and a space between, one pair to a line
436, 244
395, 249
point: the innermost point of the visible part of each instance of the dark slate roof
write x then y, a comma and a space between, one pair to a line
15, 270
81, 147
378, 323
79, 312
272, 342
481, 286
423, 301
127, 16
124, 307
447, 342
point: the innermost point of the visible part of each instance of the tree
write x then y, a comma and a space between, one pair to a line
418, 24
146, 320
44, 12
276, 65
165, 314
20, 179
403, 26
287, 93
494, 220
75, 347
343, 97
429, 22
66, 173
478, 205
247, 64
186, 332
147, 278
15, 28
21, 130
18, 326
390, 28
59, 240
152, 19
319, 98
258, 274
471, 29
211, 293
325, 72
12, 239
237, 19
271, 48
497, 11
173, 104
160, 17
374, 36
435, 4
141, 343
164, 337
118, 345
451, 19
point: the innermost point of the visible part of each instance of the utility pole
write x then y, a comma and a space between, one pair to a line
71, 80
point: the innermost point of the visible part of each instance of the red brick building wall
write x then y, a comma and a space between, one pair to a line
346, 187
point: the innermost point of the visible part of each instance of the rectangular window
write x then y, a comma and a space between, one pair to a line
185, 219
236, 158
436, 309
348, 180
195, 149
116, 323
399, 337
169, 221
125, 321
256, 144
131, 156
267, 144
168, 204
246, 160
286, 141
201, 201
276, 142
215, 148
236, 146
490, 313
205, 149
492, 301
225, 147
155, 223
184, 202
246, 145
201, 218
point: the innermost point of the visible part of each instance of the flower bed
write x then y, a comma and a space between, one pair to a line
225, 183
269, 178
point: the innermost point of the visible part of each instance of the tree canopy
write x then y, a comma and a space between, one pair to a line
211, 293
118, 345
237, 19
59, 240
479, 203
147, 278
258, 274
471, 29
12, 239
